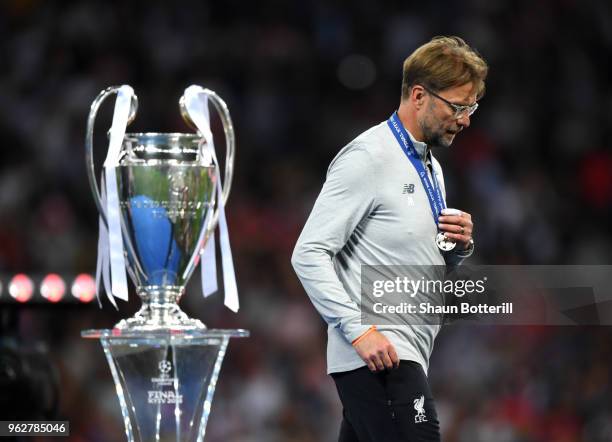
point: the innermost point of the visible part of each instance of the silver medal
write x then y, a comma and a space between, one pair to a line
445, 244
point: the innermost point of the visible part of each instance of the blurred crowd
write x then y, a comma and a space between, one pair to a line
302, 79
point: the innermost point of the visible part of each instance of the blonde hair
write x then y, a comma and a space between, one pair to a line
443, 63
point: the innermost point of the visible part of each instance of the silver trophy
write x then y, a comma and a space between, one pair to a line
166, 187
164, 363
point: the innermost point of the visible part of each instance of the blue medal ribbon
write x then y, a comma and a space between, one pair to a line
434, 194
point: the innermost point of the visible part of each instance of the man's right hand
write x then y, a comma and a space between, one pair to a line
376, 350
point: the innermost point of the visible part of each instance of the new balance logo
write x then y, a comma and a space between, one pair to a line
419, 406
408, 188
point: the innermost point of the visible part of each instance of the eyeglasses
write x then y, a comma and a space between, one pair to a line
458, 109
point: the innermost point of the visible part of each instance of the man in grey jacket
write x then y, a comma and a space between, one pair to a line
365, 216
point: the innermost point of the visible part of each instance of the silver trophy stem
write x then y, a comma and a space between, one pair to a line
160, 311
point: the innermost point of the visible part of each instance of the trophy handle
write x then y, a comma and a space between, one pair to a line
93, 112
230, 146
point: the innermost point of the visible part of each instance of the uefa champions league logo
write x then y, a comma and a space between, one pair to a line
162, 396
164, 367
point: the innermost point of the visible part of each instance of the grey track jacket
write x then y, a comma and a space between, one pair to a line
363, 216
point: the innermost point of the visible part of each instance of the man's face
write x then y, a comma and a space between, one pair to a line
437, 119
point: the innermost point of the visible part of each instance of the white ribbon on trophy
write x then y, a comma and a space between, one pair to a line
196, 104
110, 242
102, 267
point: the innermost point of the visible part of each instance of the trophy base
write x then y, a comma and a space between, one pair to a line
165, 379
160, 311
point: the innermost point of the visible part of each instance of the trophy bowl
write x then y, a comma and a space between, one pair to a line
166, 188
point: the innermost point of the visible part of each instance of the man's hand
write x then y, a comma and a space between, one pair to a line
458, 227
376, 350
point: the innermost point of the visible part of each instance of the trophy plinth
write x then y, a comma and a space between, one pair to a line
165, 379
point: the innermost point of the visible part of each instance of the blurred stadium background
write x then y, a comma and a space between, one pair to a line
301, 80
